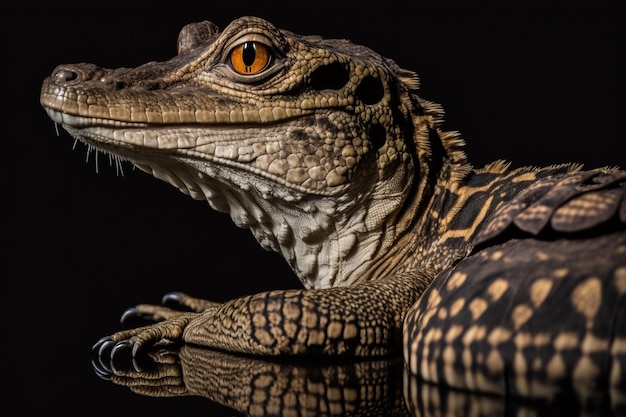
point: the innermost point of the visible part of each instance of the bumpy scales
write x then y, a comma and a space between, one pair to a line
492, 279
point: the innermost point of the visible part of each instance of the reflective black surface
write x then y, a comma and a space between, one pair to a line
533, 83
312, 387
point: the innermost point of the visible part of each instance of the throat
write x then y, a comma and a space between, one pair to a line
327, 240
324, 250
306, 230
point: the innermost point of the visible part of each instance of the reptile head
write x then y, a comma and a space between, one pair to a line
315, 145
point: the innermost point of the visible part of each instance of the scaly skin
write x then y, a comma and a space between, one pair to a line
324, 150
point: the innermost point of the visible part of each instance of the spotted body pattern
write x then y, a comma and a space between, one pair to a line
496, 279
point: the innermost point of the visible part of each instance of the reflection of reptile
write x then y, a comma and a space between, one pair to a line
325, 152
257, 387
368, 388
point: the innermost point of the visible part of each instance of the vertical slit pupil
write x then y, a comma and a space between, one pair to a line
248, 54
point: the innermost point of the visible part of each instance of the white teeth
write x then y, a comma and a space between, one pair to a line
67, 119
56, 116
79, 121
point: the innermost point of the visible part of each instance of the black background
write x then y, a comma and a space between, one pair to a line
530, 82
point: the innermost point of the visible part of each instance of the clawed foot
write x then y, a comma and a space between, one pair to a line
157, 373
124, 349
107, 363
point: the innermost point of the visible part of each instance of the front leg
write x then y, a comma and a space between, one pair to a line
362, 320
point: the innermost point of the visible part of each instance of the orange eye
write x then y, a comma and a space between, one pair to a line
250, 58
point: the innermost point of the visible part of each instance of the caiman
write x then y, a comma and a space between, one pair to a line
495, 279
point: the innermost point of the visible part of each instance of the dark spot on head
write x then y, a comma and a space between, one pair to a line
325, 125
377, 135
296, 135
332, 76
370, 90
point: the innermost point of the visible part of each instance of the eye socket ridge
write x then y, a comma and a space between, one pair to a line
250, 57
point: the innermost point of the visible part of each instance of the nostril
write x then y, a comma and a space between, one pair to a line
65, 75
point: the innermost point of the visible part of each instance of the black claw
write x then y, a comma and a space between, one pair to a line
98, 345
121, 360
130, 313
103, 350
120, 346
172, 297
136, 365
106, 348
105, 364
100, 371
